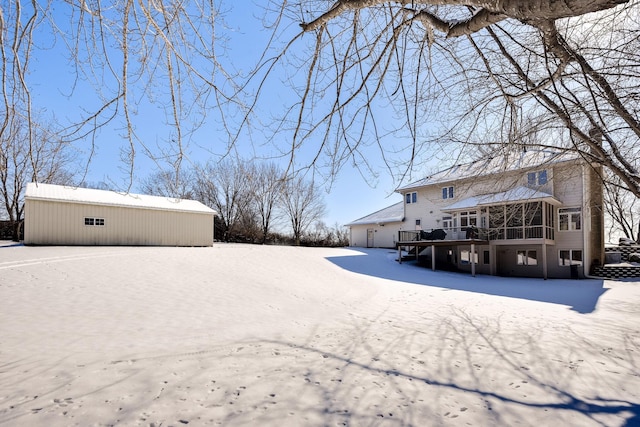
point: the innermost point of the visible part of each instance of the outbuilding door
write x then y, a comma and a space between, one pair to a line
370, 237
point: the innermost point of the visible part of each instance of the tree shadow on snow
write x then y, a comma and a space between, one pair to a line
581, 295
419, 373
450, 370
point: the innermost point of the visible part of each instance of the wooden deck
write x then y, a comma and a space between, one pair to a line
439, 243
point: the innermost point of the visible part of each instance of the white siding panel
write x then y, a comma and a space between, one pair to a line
567, 185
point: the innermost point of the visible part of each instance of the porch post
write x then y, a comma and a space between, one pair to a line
473, 259
544, 261
433, 257
399, 254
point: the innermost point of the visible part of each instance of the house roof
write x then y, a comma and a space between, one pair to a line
517, 194
393, 213
60, 193
493, 165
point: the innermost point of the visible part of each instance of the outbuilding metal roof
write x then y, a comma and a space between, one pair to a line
393, 213
60, 193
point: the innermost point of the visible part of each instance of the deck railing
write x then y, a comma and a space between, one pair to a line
442, 234
463, 233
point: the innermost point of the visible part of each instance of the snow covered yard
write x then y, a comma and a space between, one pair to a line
248, 335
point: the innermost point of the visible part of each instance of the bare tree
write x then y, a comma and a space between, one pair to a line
444, 71
266, 186
224, 187
623, 210
168, 183
23, 158
303, 205
132, 54
469, 73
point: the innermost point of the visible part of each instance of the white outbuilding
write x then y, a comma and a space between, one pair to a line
60, 215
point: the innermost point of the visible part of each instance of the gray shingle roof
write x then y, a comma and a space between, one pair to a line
517, 194
393, 213
493, 165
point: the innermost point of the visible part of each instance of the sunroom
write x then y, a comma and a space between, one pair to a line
512, 216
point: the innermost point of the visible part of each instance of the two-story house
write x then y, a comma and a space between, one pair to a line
533, 213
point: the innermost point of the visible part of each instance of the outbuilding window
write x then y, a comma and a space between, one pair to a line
99, 222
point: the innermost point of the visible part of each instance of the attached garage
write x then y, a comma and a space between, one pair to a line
60, 215
379, 229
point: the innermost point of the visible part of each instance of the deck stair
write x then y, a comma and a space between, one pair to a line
616, 271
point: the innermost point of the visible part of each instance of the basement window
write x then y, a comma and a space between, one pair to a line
527, 257
570, 257
465, 257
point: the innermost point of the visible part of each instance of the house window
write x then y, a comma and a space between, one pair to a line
94, 221
527, 257
447, 193
465, 257
411, 197
537, 178
418, 222
468, 219
570, 219
447, 222
570, 257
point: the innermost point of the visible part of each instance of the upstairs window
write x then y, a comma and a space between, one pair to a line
447, 192
537, 178
569, 219
411, 197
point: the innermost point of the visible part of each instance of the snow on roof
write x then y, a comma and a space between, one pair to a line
517, 194
38, 191
493, 165
393, 213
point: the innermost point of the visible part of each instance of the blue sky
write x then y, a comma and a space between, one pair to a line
351, 195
